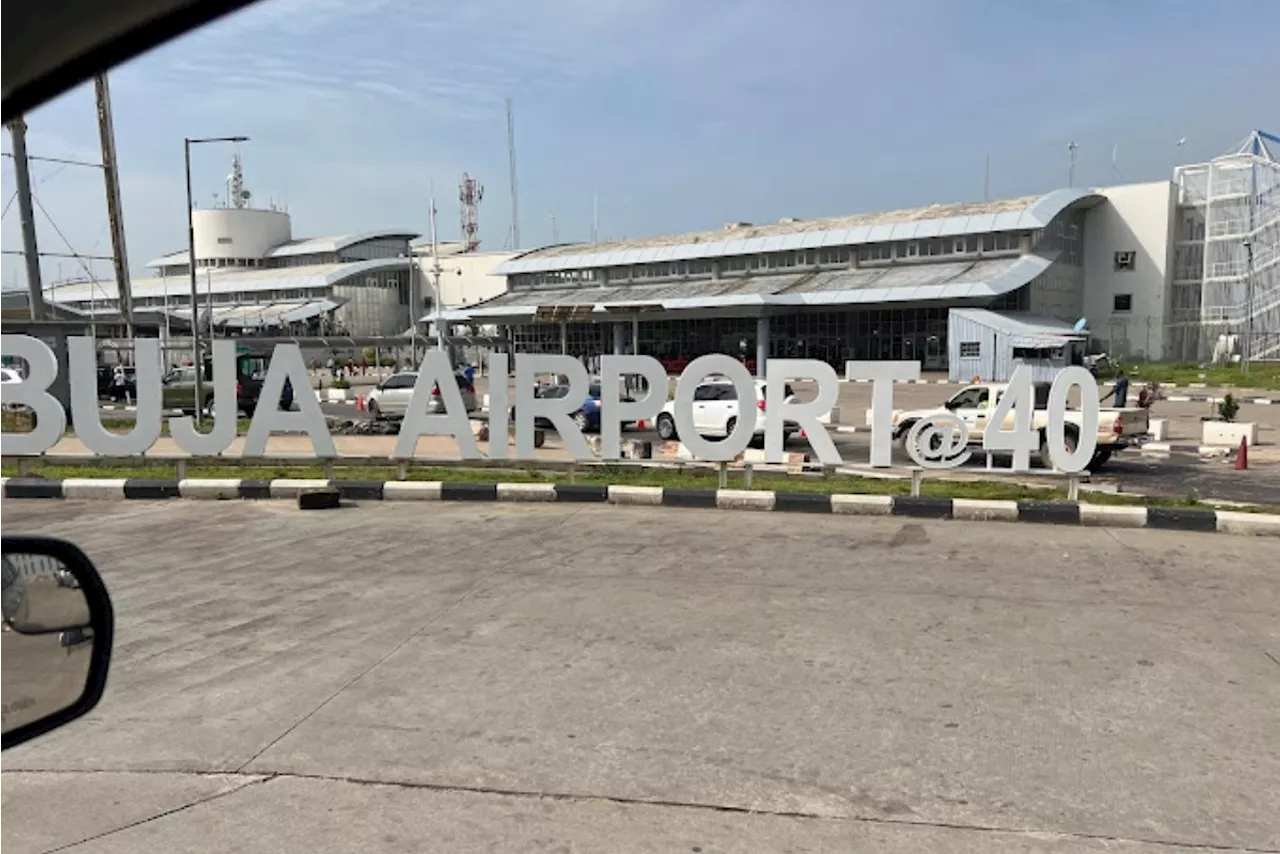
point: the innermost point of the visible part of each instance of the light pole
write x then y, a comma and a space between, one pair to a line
191, 268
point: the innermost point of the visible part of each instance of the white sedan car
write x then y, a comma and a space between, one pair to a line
716, 411
391, 399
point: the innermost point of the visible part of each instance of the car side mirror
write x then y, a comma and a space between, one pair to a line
952, 405
56, 637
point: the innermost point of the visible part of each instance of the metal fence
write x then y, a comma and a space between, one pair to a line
1153, 341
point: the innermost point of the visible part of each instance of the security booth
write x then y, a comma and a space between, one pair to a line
990, 345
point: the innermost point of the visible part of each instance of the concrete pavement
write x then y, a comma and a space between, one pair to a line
556, 678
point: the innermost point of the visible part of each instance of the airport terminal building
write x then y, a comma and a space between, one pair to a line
870, 286
882, 285
253, 277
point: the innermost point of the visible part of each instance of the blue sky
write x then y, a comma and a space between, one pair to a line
678, 115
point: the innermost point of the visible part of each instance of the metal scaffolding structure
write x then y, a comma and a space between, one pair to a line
1226, 281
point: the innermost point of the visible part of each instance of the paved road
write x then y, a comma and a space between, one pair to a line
475, 678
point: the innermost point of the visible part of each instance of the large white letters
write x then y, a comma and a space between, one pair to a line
286, 361
83, 356
557, 410
210, 444
436, 372
498, 407
1018, 398
33, 391
883, 375
736, 442
778, 411
613, 412
1087, 436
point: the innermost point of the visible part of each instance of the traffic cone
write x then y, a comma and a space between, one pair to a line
640, 424
1242, 456
359, 403
804, 435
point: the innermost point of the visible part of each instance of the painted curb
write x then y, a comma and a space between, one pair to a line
961, 509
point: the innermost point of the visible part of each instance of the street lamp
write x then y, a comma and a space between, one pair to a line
191, 267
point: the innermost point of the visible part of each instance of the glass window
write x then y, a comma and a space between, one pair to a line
1122, 302
970, 349
706, 392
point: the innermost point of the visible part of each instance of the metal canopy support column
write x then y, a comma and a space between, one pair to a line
30, 251
564, 337
635, 336
619, 339
762, 344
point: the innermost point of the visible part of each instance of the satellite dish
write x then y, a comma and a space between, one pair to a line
1080, 324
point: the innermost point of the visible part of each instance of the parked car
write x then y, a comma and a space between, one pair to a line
391, 399
178, 391
8, 377
586, 417
716, 411
975, 404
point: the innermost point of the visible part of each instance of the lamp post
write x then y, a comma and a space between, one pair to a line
191, 268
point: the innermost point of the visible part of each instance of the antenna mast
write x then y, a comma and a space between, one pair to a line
511, 162
469, 195
1071, 170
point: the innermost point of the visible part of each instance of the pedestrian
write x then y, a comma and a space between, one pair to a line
470, 373
286, 396
1120, 391
331, 364
118, 390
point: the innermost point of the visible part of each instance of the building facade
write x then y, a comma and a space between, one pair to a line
871, 286
254, 278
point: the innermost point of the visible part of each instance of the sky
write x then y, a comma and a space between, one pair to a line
663, 115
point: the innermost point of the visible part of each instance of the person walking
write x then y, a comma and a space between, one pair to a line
1120, 391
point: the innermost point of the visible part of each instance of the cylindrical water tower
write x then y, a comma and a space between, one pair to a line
234, 236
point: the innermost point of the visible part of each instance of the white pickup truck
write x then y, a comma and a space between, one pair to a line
1117, 428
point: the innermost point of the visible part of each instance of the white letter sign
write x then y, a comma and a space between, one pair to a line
778, 411
83, 356
882, 375
613, 412
286, 361
557, 410
33, 391
436, 373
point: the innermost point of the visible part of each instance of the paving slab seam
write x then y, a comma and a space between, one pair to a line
926, 507
268, 776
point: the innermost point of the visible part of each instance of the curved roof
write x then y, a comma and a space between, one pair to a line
233, 279
982, 279
316, 245
1019, 214
303, 246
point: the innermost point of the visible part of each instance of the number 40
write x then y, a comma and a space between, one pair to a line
1070, 446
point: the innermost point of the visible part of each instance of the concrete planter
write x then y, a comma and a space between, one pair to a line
1230, 433
1158, 428
339, 395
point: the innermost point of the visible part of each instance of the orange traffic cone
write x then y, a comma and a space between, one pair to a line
359, 403
640, 424
1242, 456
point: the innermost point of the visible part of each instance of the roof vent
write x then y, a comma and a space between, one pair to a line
734, 226
789, 220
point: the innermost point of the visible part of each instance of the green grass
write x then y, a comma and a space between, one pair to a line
1264, 375
14, 422
689, 478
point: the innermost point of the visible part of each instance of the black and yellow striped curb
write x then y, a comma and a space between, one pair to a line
975, 510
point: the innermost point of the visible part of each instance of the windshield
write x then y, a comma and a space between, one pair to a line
354, 612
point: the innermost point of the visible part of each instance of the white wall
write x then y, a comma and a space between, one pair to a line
238, 232
465, 278
1138, 218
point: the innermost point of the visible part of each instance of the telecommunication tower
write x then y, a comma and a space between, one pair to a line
470, 194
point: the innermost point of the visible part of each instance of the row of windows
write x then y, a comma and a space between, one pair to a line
835, 255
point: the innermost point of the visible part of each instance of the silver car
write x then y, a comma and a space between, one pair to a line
391, 399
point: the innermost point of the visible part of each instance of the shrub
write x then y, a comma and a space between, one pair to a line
1228, 407
339, 384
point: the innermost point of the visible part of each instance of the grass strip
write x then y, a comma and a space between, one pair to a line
609, 475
